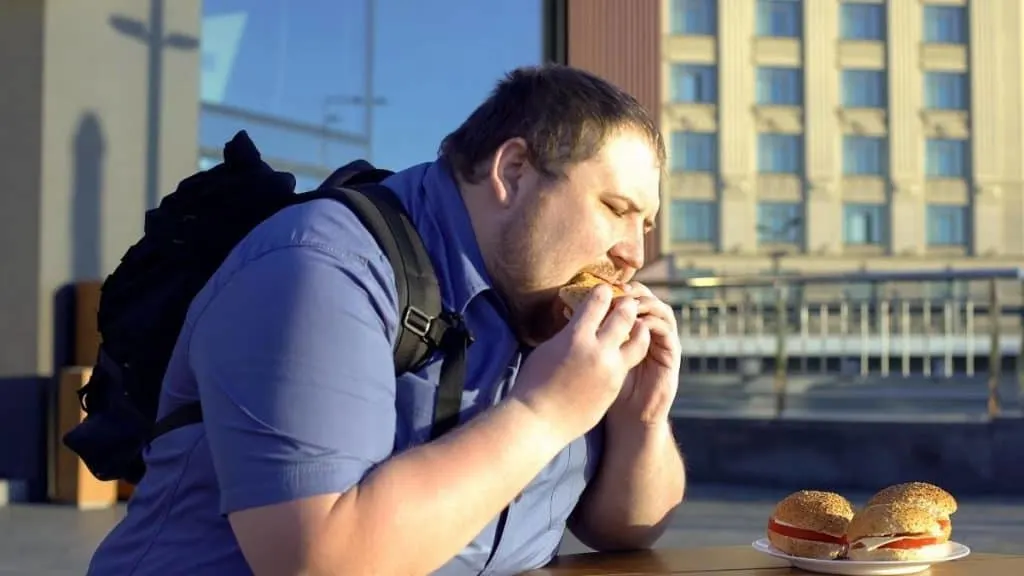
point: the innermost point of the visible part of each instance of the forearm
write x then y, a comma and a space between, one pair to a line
640, 482
432, 500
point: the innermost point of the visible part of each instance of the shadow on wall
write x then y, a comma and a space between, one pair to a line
88, 150
153, 36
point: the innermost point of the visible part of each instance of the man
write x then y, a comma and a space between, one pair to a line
314, 459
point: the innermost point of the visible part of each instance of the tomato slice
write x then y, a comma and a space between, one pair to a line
802, 534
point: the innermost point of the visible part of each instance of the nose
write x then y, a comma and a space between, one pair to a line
628, 254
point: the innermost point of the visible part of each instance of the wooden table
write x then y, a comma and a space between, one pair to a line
744, 561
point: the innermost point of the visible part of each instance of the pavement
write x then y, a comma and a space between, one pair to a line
54, 540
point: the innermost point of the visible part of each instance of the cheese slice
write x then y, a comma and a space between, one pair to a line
874, 543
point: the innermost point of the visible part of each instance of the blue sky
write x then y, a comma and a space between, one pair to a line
435, 61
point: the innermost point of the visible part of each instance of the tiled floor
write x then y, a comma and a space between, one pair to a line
46, 540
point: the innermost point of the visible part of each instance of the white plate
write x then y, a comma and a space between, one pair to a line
860, 567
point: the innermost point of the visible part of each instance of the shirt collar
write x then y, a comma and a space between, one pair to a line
436, 207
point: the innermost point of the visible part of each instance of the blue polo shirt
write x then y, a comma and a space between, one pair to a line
289, 349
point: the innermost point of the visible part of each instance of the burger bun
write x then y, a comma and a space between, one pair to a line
574, 293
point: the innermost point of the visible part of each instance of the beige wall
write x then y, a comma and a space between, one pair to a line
74, 151
994, 125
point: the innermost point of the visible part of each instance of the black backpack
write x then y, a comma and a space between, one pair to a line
144, 301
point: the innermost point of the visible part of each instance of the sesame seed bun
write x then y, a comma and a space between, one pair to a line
825, 512
576, 291
806, 548
810, 524
872, 526
920, 493
889, 519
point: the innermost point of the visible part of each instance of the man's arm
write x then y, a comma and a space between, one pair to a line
295, 372
639, 483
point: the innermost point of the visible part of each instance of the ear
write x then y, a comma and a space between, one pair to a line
509, 165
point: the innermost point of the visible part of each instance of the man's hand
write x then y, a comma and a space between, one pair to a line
641, 479
650, 388
573, 378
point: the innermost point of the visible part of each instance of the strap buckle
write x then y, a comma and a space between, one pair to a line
417, 321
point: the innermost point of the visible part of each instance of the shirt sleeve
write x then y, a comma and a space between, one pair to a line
295, 374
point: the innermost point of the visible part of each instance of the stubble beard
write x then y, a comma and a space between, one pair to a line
531, 306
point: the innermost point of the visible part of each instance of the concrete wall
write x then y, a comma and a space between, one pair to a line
962, 457
100, 115
98, 119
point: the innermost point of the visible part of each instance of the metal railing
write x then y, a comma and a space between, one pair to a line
933, 324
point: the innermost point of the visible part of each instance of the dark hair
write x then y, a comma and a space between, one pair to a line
564, 114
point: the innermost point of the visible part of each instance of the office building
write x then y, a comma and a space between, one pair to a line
825, 135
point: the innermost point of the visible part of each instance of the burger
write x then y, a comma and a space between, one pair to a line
579, 287
940, 502
897, 531
811, 524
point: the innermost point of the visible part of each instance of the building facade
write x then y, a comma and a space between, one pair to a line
827, 135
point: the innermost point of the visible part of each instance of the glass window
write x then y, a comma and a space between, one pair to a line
693, 221
945, 90
864, 88
947, 225
860, 21
864, 224
319, 83
694, 17
779, 18
865, 156
779, 153
947, 158
779, 86
694, 152
945, 24
779, 223
694, 83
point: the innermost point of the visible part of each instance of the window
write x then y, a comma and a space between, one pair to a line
947, 158
694, 152
864, 88
947, 225
779, 86
861, 21
865, 156
780, 18
780, 153
863, 224
693, 221
263, 69
945, 90
694, 83
779, 223
945, 24
694, 17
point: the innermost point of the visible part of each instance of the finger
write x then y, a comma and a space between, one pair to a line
638, 289
651, 306
635, 349
660, 328
588, 316
665, 346
619, 322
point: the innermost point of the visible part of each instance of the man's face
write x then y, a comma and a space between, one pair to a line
594, 219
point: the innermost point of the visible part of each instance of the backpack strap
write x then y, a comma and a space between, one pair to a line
424, 328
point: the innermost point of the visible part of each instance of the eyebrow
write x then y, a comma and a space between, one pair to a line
634, 208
